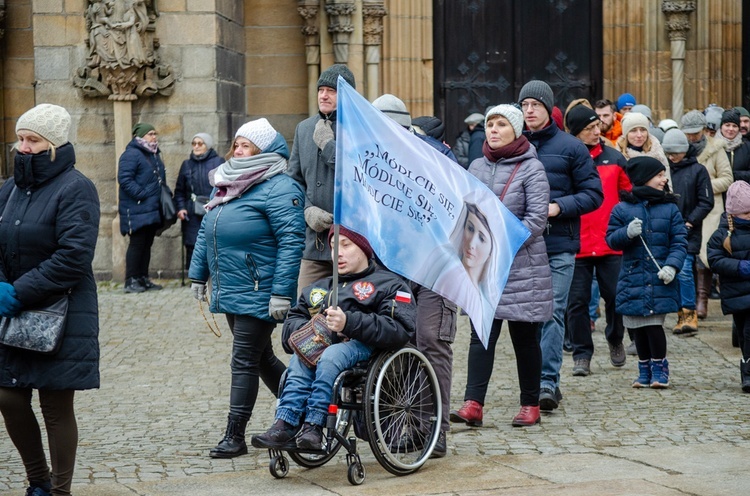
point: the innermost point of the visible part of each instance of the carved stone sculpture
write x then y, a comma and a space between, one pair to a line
340, 26
122, 63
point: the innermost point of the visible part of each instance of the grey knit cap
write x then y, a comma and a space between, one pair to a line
330, 76
49, 121
510, 112
207, 139
693, 122
538, 90
675, 141
642, 109
393, 107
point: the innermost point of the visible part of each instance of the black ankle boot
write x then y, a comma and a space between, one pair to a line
133, 285
745, 374
233, 443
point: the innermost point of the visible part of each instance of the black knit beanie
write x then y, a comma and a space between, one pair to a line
732, 116
330, 76
641, 169
538, 90
579, 117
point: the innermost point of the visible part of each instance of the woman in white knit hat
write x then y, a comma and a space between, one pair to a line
250, 245
510, 168
49, 224
636, 140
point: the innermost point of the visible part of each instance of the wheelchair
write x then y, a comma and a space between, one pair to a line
393, 403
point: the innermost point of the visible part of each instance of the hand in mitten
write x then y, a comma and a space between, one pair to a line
667, 274
318, 219
278, 307
9, 304
323, 133
199, 291
635, 228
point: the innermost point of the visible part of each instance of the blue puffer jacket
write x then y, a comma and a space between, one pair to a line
574, 185
251, 247
735, 289
139, 187
639, 291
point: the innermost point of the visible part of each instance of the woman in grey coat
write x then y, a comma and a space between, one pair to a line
510, 168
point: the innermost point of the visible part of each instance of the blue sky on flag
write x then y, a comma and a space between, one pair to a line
426, 218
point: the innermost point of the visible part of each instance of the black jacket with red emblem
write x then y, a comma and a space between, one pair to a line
380, 309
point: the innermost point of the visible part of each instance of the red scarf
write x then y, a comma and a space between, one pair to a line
513, 149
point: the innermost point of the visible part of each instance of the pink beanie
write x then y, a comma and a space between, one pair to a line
738, 198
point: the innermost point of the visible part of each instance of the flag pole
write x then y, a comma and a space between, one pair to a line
335, 288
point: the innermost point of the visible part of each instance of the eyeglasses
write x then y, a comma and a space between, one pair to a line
531, 105
591, 127
197, 143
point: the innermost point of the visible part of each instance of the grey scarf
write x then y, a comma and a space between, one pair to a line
237, 175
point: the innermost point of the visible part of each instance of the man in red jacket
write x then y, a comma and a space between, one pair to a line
595, 254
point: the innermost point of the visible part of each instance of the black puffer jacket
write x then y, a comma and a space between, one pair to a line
373, 315
695, 197
47, 239
735, 289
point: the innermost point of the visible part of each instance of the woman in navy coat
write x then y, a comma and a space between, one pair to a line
250, 244
48, 230
647, 226
140, 174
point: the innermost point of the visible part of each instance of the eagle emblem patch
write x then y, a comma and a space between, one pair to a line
363, 290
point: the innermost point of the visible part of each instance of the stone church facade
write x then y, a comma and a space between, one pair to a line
191, 66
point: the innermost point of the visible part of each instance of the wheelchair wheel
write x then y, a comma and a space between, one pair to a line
279, 466
356, 474
402, 410
311, 460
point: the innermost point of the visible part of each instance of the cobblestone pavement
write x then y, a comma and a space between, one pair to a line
165, 388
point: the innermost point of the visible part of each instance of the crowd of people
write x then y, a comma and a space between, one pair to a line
651, 218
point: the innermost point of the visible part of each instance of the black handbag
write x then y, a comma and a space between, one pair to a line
166, 208
199, 204
40, 330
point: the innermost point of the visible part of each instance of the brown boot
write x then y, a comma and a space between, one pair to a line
677, 329
702, 290
689, 322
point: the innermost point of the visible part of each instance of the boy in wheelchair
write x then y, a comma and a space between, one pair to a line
375, 310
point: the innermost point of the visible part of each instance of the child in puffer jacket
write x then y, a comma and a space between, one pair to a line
649, 229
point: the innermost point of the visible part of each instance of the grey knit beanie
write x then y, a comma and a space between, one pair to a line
330, 76
49, 121
538, 90
207, 139
675, 141
642, 109
394, 108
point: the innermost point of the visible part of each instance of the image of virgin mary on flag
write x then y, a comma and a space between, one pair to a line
425, 217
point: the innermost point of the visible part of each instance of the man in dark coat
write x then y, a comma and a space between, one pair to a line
313, 164
575, 189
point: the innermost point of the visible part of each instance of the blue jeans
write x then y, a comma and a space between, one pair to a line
687, 283
595, 297
553, 331
310, 391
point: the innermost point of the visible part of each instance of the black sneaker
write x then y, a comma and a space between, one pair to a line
548, 399
617, 356
441, 447
149, 285
310, 437
133, 285
582, 367
279, 436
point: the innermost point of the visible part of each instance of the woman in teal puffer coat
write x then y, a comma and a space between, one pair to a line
250, 244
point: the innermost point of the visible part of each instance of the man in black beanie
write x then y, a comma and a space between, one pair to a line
312, 163
575, 189
595, 256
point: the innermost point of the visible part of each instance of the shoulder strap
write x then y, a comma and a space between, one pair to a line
510, 180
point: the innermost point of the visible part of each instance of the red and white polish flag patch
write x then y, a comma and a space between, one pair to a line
403, 297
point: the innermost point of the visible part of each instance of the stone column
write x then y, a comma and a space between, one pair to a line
123, 125
308, 9
678, 25
373, 12
340, 26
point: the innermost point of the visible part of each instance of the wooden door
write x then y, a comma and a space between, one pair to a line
486, 50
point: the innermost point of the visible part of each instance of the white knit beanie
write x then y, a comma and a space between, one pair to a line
633, 120
510, 112
51, 122
259, 131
